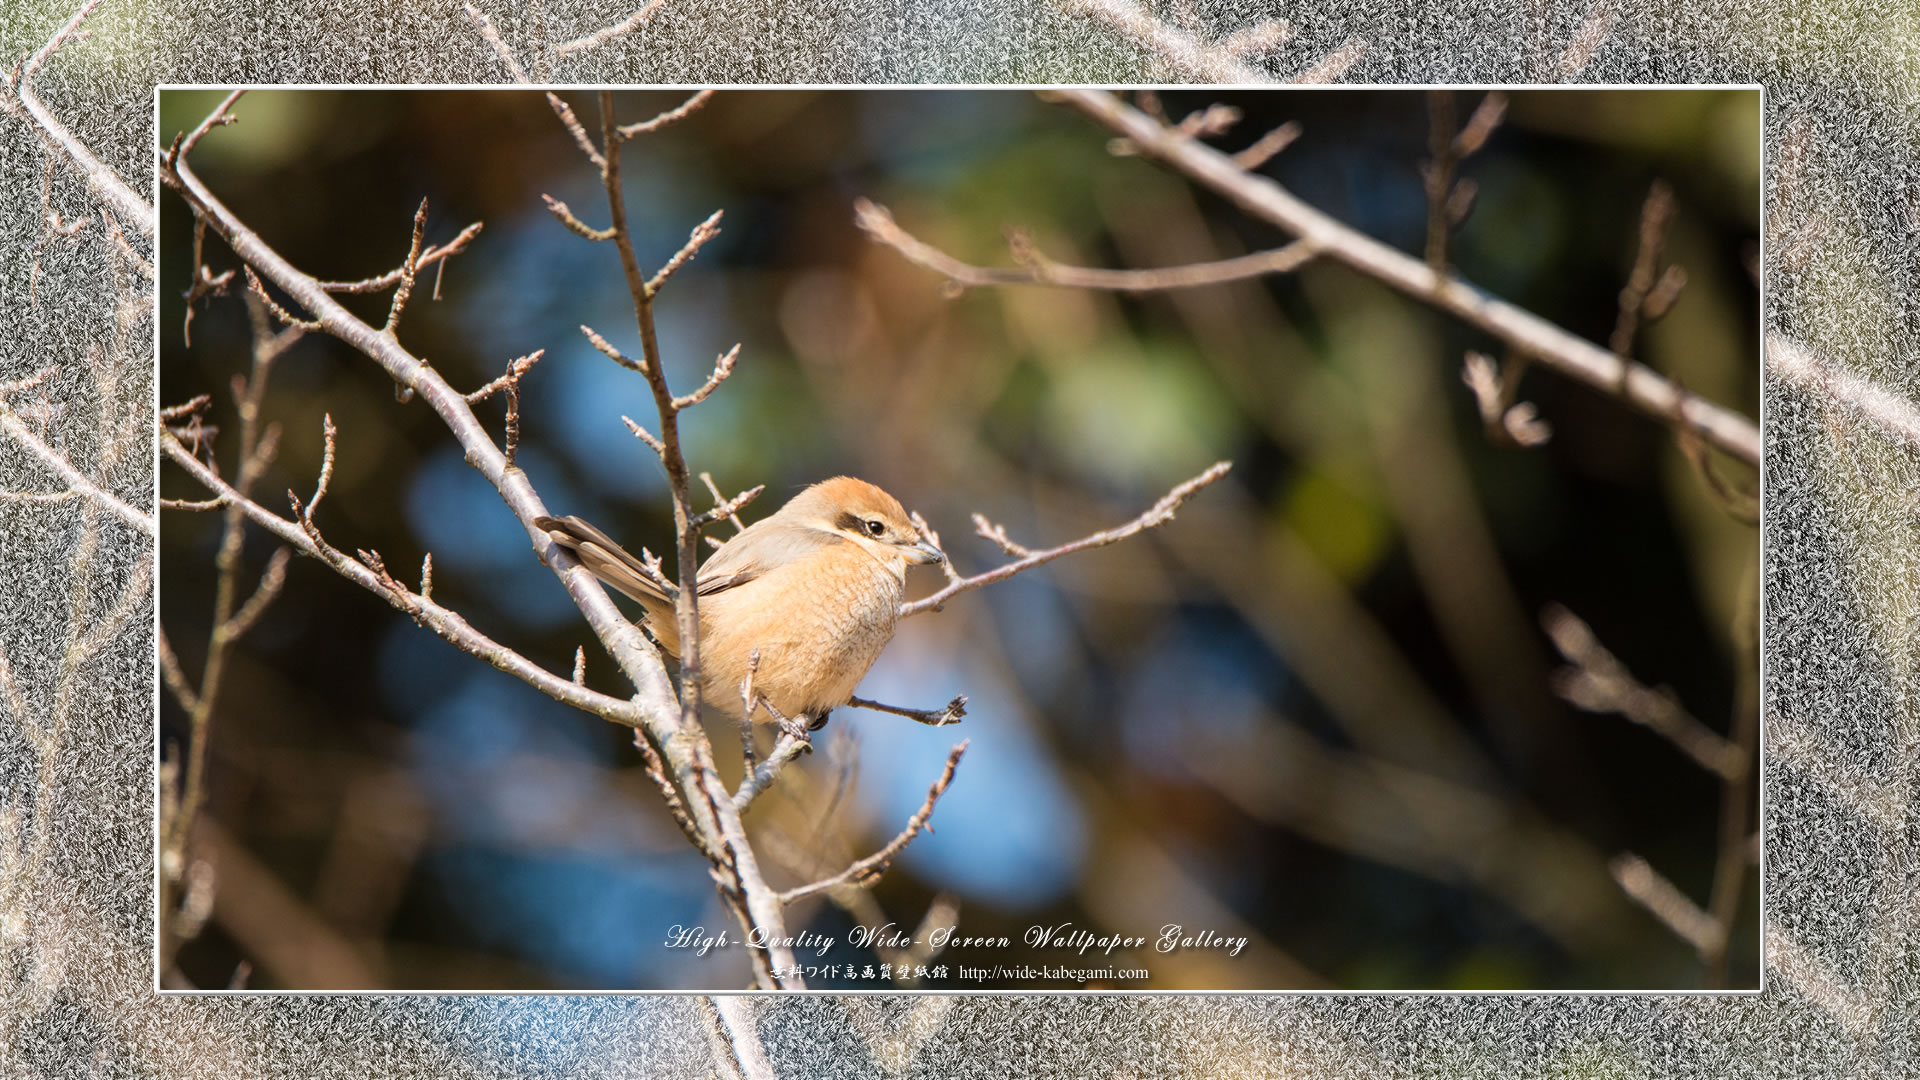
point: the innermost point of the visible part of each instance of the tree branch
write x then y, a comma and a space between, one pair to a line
1886, 410
878, 222
53, 459
1545, 342
1598, 682
1159, 514
868, 870
106, 185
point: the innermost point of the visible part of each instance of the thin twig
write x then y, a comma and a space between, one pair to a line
1159, 514
1507, 423
606, 349
1666, 902
696, 240
1268, 146
722, 368
671, 116
171, 673
1586, 41
950, 713
409, 270
787, 747
749, 704
1334, 64
878, 222
719, 500
500, 47
1598, 682
600, 37
269, 587
565, 216
727, 511
868, 870
1179, 49
1656, 214
78, 481
434, 254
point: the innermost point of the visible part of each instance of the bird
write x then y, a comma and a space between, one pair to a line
814, 589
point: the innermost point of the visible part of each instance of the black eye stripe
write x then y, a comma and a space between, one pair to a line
854, 523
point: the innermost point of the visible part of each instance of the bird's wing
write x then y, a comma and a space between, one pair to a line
766, 545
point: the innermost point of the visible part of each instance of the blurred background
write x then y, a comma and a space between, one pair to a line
1316, 710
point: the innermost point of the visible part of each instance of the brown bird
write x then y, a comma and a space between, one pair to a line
816, 588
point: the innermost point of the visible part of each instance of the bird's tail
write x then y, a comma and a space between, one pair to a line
617, 567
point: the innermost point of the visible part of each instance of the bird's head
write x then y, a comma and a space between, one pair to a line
865, 515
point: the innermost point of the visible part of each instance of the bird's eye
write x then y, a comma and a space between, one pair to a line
876, 527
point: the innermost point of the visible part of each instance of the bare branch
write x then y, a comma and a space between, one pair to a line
606, 349
221, 116
106, 185
868, 870
702, 233
1187, 56
1655, 216
1268, 146
719, 500
722, 368
408, 271
43, 496
1493, 389
1828, 991
1257, 41
743, 1038
1487, 117
444, 622
1587, 40
1673, 908
170, 672
645, 436
1742, 506
878, 223
1598, 682
950, 713
1525, 332
574, 225
516, 368
749, 704
785, 749
1334, 64
1886, 410
270, 584
435, 253
328, 432
574, 128
1159, 514
131, 596
286, 317
600, 37
53, 459
671, 116
728, 509
500, 47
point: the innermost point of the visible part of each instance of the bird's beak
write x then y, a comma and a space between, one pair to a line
925, 552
